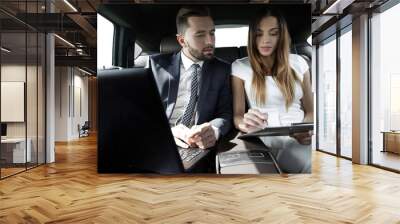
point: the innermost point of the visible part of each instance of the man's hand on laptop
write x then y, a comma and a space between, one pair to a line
181, 143
181, 136
203, 136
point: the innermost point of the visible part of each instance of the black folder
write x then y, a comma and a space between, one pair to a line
280, 130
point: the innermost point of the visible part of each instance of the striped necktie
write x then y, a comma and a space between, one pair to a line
189, 111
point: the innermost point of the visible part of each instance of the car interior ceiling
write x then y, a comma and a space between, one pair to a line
154, 26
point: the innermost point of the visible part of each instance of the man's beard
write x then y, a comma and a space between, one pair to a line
199, 55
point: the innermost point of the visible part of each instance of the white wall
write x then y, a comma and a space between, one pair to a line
16, 73
12, 73
33, 126
61, 103
80, 112
71, 92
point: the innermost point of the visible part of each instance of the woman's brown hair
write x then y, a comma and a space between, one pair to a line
281, 71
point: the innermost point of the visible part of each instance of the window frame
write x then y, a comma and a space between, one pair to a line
335, 36
379, 10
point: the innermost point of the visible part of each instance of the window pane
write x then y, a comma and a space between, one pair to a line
346, 94
385, 88
105, 38
223, 36
32, 98
327, 97
41, 98
14, 152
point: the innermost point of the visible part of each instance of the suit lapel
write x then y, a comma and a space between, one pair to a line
174, 71
206, 71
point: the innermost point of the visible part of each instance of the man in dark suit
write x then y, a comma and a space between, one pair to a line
194, 85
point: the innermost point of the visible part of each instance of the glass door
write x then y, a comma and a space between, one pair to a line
385, 89
327, 96
346, 72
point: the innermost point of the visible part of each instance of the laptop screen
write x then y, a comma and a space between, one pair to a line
133, 134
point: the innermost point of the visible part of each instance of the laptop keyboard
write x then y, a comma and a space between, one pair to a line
188, 154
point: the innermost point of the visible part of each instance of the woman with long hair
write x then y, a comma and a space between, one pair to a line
278, 90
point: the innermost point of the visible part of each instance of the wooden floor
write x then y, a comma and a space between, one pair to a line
71, 191
5, 172
386, 159
10, 171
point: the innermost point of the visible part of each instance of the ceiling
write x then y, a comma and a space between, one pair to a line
75, 21
150, 32
76, 25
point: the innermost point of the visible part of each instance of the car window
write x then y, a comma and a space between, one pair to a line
138, 50
105, 38
224, 34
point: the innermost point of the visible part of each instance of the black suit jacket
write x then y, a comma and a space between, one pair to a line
215, 99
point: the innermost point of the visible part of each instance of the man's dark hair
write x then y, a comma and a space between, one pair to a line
189, 11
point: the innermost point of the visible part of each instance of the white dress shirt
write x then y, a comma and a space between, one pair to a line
184, 91
275, 106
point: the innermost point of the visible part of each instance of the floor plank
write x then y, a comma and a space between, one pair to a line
71, 191
386, 159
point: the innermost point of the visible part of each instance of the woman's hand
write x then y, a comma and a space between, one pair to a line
253, 120
303, 138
